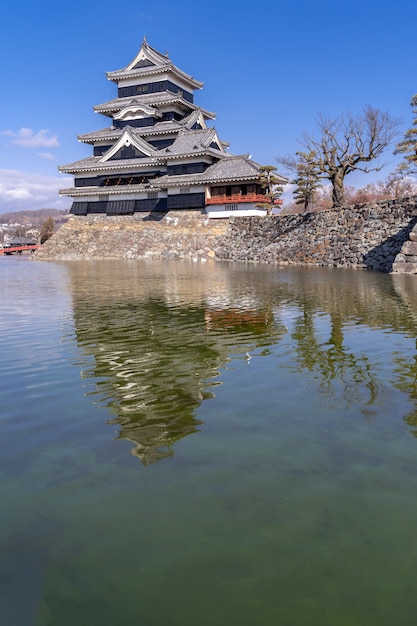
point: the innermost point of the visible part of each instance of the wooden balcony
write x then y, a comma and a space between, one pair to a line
239, 198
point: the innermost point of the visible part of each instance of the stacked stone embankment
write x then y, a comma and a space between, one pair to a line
364, 236
177, 235
406, 261
379, 236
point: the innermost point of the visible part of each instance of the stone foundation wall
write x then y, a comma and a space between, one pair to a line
377, 236
406, 261
367, 236
176, 235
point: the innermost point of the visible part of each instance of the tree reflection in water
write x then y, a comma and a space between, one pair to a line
160, 332
158, 339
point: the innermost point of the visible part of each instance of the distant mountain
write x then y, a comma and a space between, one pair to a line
34, 218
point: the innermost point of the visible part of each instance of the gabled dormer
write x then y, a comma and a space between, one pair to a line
196, 120
211, 140
128, 147
137, 110
150, 67
147, 57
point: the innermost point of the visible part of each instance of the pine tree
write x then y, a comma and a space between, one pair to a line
408, 146
272, 184
307, 179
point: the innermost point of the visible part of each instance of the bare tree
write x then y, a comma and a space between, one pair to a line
347, 143
47, 229
395, 185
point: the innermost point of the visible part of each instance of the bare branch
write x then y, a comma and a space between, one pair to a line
347, 143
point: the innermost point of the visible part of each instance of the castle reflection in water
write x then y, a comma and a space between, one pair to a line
157, 335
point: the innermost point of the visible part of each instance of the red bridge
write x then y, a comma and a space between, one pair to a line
18, 249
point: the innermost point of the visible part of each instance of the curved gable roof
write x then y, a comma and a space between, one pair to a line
127, 140
149, 61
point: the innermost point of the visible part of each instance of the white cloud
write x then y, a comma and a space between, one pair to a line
288, 191
46, 155
20, 190
28, 139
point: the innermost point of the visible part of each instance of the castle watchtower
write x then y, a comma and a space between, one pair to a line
159, 154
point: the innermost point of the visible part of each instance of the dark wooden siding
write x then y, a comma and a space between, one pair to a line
138, 123
171, 115
154, 87
97, 207
151, 204
161, 143
126, 179
186, 168
99, 150
119, 207
187, 201
127, 152
79, 208
92, 181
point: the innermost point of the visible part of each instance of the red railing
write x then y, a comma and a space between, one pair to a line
238, 198
11, 250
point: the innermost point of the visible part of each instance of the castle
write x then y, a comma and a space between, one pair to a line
159, 154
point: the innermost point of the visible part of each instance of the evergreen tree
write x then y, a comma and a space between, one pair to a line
307, 179
408, 146
272, 185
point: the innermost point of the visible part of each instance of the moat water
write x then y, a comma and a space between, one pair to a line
188, 444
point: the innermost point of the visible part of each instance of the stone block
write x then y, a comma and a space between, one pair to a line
404, 268
409, 247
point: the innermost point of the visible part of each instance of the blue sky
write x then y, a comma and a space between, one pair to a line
268, 70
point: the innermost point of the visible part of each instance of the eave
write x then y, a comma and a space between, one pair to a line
82, 167
158, 63
146, 72
166, 98
76, 192
112, 134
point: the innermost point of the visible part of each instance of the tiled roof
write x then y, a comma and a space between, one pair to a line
148, 62
95, 163
193, 142
232, 167
112, 133
227, 169
160, 128
75, 192
190, 143
156, 99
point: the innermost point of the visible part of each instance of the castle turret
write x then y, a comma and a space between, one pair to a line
159, 153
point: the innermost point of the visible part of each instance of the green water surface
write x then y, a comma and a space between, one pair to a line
207, 444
